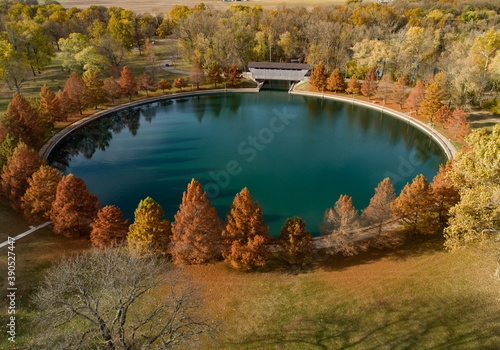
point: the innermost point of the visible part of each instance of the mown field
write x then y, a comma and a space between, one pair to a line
415, 297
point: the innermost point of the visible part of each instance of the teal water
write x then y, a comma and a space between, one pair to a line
295, 154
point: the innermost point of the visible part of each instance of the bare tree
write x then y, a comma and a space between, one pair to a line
113, 299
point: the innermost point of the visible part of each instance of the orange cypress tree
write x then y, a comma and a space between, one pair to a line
163, 85
41, 193
149, 234
74, 208
65, 103
380, 208
96, 86
458, 124
443, 115
196, 231
146, 83
444, 194
245, 233
416, 97
179, 83
108, 228
369, 87
128, 86
318, 78
233, 75
336, 82
16, 173
295, 243
432, 101
112, 89
50, 105
385, 87
23, 122
399, 92
78, 94
414, 206
354, 87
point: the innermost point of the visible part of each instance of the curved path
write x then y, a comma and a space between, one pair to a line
442, 140
168, 68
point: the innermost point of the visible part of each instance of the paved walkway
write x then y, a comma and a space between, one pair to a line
33, 229
167, 65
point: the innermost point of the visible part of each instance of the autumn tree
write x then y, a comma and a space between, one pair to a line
152, 62
380, 208
96, 86
245, 233
369, 86
108, 228
385, 87
233, 75
79, 96
318, 78
443, 115
146, 83
476, 173
414, 206
114, 72
112, 89
432, 101
22, 121
163, 85
65, 103
179, 83
295, 243
339, 226
444, 194
74, 208
197, 75
196, 230
458, 124
50, 105
7, 148
354, 87
149, 234
336, 82
128, 85
399, 92
214, 74
17, 171
41, 193
416, 97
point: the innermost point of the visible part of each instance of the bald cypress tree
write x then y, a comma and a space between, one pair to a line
78, 95
196, 231
296, 245
108, 228
245, 233
336, 81
128, 85
318, 78
50, 105
369, 86
380, 208
416, 97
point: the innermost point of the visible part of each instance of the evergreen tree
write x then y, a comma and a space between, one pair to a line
96, 86
414, 206
354, 87
295, 243
416, 97
214, 74
336, 82
197, 74
369, 87
17, 171
196, 231
79, 95
74, 208
112, 89
380, 208
149, 234
108, 228
163, 85
146, 83
318, 78
245, 233
22, 121
233, 75
128, 85
41, 193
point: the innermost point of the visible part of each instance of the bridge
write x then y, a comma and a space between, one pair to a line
290, 72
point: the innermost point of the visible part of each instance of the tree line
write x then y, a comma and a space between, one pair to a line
404, 39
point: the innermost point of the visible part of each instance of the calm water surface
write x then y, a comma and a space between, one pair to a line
296, 154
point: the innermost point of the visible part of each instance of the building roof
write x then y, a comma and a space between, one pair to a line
278, 65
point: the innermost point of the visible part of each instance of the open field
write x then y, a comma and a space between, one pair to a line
417, 296
153, 6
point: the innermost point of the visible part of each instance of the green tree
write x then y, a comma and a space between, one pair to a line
295, 243
96, 86
149, 234
214, 74
476, 173
7, 148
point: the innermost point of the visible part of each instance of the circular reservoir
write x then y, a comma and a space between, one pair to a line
296, 154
